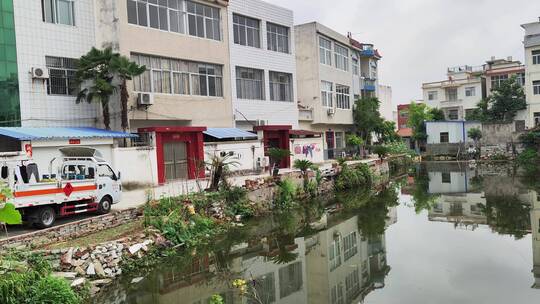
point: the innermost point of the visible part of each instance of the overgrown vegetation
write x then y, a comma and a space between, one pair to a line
285, 195
32, 282
354, 177
419, 113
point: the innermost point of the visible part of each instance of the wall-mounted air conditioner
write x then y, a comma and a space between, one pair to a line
331, 111
145, 99
40, 73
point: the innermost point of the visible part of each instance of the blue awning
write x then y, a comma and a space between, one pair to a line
227, 133
22, 133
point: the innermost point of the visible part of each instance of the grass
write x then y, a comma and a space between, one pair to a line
105, 235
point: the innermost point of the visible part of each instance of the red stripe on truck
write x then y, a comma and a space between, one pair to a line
52, 191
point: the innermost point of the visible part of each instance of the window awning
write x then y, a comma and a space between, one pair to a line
23, 133
228, 133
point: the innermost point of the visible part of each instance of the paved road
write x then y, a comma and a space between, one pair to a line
14, 230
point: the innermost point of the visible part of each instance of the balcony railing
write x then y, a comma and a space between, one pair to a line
368, 85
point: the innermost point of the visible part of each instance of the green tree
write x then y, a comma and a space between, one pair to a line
304, 165
475, 134
125, 70
480, 113
367, 117
386, 132
419, 113
437, 114
96, 74
506, 100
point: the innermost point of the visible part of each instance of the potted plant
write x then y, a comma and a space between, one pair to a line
276, 156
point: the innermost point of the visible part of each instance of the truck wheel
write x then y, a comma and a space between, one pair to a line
104, 206
45, 217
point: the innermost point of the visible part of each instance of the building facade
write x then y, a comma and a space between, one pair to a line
459, 94
50, 36
532, 72
386, 107
184, 45
333, 71
263, 64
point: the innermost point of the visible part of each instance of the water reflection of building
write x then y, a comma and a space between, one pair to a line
343, 266
462, 209
535, 227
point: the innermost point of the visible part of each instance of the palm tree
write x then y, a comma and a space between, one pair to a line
96, 75
304, 165
125, 69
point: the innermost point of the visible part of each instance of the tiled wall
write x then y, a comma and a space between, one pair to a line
37, 39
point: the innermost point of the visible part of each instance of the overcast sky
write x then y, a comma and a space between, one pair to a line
419, 39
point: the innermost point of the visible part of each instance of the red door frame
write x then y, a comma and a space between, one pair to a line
192, 136
282, 134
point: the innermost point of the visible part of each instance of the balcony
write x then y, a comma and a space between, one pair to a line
367, 53
305, 114
368, 85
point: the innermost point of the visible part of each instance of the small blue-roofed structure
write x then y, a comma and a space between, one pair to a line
229, 133
22, 133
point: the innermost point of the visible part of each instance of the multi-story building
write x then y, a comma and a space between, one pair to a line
263, 64
498, 70
42, 41
457, 95
333, 70
386, 107
404, 130
532, 72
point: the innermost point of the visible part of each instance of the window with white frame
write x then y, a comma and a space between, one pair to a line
58, 11
497, 80
343, 97
451, 94
470, 91
327, 94
278, 37
432, 95
203, 20
341, 55
352, 285
247, 31
159, 14
536, 87
249, 83
355, 67
336, 294
453, 114
62, 80
350, 246
340, 140
281, 88
520, 78
334, 254
175, 76
325, 51
536, 57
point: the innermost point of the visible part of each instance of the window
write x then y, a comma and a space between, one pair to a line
336, 294
341, 55
453, 114
536, 87
278, 37
355, 69
265, 287
163, 15
174, 76
350, 247
203, 21
334, 254
352, 285
325, 51
343, 97
249, 83
451, 94
326, 94
536, 57
246, 31
444, 137
106, 171
446, 178
496, 80
340, 143
432, 95
58, 11
536, 116
290, 279
281, 88
62, 79
404, 114
470, 91
520, 78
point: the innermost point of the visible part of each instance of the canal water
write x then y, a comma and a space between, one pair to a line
446, 233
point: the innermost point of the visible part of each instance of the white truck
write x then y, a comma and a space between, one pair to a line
83, 182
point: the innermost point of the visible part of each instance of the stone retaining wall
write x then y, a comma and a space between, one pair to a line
71, 230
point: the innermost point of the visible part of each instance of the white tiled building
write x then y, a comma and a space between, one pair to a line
532, 72
263, 64
50, 35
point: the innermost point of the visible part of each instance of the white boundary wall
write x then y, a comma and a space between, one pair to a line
136, 164
300, 149
247, 153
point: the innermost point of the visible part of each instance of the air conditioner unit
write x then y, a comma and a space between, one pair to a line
260, 122
331, 111
40, 73
145, 99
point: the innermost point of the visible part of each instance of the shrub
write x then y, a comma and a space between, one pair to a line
380, 150
350, 178
528, 159
285, 195
399, 147
51, 290
237, 202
